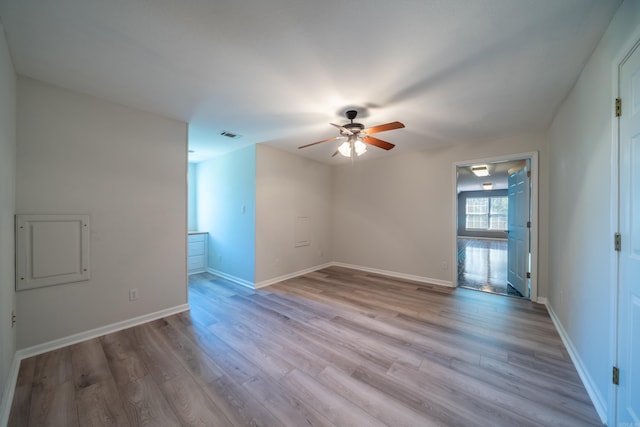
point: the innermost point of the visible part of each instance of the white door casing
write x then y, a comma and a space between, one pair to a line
532, 163
628, 351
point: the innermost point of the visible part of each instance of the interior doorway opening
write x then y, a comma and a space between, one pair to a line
496, 205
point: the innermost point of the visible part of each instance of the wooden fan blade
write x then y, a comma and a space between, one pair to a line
378, 142
335, 154
320, 142
342, 129
384, 127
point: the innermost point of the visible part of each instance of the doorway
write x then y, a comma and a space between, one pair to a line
495, 233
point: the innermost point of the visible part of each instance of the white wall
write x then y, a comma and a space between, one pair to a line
288, 187
7, 209
127, 169
192, 206
582, 267
226, 185
397, 213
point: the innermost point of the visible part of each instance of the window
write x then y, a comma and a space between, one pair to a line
477, 213
486, 213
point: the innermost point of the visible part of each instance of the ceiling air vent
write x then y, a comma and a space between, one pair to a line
230, 134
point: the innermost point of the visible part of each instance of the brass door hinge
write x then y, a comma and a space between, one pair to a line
616, 375
617, 242
618, 107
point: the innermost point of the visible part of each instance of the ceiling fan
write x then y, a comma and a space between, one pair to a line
357, 137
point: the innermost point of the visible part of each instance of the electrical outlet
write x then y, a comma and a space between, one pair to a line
133, 294
13, 319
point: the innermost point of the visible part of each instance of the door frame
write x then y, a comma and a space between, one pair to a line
633, 43
533, 159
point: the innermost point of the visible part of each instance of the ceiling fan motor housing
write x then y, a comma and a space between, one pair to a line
354, 128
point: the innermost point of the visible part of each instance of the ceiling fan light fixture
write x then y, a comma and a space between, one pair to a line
345, 149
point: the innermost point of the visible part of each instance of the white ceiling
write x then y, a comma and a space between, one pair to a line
278, 71
498, 176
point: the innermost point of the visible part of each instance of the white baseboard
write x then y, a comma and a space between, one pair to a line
231, 278
395, 274
278, 279
291, 275
543, 301
262, 284
97, 332
9, 389
7, 397
596, 398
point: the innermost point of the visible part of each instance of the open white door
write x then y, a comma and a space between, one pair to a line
518, 231
628, 402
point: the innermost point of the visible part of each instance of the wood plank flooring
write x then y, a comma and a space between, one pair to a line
483, 265
336, 347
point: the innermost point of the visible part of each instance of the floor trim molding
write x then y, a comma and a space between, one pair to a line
298, 273
264, 283
97, 332
395, 274
7, 397
9, 390
598, 402
232, 278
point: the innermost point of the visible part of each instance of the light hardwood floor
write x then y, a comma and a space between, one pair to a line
336, 347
